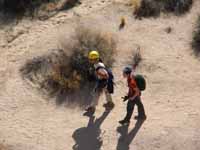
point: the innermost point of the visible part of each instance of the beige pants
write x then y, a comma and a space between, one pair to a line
96, 96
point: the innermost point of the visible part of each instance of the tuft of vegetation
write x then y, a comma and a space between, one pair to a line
122, 23
67, 71
196, 39
153, 8
137, 58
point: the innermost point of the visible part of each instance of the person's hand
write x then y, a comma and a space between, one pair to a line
125, 98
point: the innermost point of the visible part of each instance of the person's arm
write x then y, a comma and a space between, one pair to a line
102, 73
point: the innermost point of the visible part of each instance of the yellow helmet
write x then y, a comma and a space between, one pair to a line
93, 55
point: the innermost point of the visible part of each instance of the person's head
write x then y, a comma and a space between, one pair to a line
127, 71
93, 56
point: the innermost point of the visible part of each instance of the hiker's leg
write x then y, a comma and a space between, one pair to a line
108, 96
94, 103
95, 98
109, 103
130, 108
141, 111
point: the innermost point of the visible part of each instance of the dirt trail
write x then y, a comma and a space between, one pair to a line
31, 122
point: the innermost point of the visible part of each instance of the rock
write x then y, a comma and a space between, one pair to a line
168, 30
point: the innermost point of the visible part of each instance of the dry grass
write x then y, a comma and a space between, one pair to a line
137, 58
196, 39
67, 71
136, 4
122, 23
87, 39
153, 8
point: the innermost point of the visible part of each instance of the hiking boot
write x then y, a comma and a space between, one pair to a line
90, 109
144, 117
124, 122
109, 105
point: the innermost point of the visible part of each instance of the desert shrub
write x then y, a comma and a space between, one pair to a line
21, 5
148, 8
65, 71
32, 7
153, 8
177, 6
196, 39
87, 40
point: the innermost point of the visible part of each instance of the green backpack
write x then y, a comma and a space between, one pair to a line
141, 82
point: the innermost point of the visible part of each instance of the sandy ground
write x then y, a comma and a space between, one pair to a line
30, 122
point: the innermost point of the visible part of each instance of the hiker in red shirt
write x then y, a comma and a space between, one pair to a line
133, 97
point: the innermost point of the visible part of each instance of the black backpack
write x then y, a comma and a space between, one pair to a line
140, 81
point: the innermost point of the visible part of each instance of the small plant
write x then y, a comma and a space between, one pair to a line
122, 23
196, 39
137, 58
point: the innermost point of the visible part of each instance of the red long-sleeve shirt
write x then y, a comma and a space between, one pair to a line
133, 89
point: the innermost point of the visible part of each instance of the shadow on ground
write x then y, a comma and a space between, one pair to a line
125, 137
80, 98
89, 137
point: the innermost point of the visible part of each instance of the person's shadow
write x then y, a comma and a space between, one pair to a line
126, 138
88, 138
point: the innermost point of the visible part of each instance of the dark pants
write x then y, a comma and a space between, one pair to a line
130, 108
